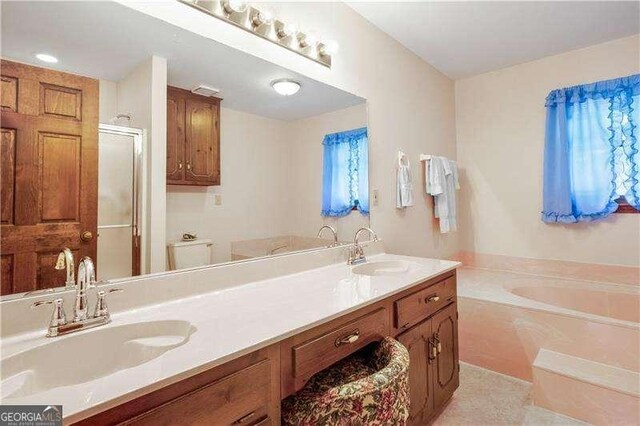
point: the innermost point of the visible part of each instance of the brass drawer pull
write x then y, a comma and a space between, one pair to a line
438, 344
246, 418
432, 299
433, 351
180, 165
348, 339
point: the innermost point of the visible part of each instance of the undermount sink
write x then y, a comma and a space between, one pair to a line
88, 356
384, 267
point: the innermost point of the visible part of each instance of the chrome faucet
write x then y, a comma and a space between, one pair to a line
333, 231
65, 260
86, 279
81, 319
356, 254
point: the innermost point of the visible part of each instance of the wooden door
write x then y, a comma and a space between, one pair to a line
446, 368
175, 136
49, 173
416, 340
202, 134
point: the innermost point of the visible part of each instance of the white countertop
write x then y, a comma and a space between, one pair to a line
229, 323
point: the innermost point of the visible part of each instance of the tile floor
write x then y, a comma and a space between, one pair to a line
486, 398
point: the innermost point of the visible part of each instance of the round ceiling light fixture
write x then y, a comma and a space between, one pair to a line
45, 57
285, 86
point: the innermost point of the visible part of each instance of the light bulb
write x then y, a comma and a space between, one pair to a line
287, 30
234, 6
328, 48
261, 17
307, 40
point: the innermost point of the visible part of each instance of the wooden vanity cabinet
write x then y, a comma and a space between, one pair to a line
248, 390
432, 382
245, 391
193, 138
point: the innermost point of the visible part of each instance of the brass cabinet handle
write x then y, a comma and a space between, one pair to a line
438, 344
188, 166
180, 165
86, 236
433, 351
432, 299
348, 339
241, 420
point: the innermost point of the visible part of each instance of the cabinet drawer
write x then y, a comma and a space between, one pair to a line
419, 305
241, 398
319, 353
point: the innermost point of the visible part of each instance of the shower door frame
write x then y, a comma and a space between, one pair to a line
138, 137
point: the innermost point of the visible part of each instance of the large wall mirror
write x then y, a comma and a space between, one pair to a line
107, 150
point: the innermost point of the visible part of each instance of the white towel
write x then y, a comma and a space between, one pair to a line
404, 193
442, 182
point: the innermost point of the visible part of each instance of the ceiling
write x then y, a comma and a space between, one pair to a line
106, 40
462, 38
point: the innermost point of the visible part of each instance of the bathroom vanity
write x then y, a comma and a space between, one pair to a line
248, 389
225, 344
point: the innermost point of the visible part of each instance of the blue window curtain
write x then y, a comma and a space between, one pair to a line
591, 150
345, 176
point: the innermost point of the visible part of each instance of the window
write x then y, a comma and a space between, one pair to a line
592, 160
345, 174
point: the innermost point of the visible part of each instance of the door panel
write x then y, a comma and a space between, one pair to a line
9, 94
416, 340
61, 102
175, 136
7, 174
446, 367
60, 171
202, 141
49, 187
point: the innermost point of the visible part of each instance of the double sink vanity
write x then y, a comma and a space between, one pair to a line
225, 344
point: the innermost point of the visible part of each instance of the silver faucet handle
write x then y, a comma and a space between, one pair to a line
58, 317
101, 304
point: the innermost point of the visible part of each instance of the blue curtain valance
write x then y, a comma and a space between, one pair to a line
597, 90
591, 150
345, 137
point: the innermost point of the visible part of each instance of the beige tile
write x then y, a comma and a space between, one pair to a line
486, 398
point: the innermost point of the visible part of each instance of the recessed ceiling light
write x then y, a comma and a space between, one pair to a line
285, 87
44, 57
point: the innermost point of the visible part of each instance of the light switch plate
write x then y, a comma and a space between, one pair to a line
374, 197
217, 199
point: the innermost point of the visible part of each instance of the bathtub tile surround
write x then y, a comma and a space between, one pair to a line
606, 273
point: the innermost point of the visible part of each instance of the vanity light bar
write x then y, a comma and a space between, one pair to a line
262, 23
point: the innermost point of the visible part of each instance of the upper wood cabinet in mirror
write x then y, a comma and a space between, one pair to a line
193, 138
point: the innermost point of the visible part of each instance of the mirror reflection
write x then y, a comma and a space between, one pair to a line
149, 148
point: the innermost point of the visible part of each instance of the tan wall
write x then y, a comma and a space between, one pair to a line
500, 138
254, 154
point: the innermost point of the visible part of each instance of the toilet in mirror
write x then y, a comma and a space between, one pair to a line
148, 148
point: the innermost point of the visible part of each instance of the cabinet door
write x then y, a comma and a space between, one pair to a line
202, 132
416, 340
175, 138
445, 367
